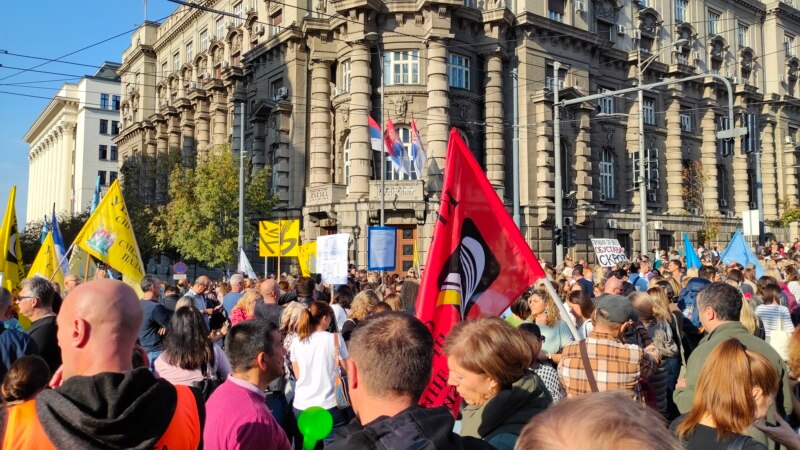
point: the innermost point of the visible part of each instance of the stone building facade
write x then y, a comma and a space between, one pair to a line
309, 77
71, 145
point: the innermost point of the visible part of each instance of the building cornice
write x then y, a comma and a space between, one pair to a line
55, 108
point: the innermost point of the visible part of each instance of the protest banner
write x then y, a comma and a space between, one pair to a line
307, 258
46, 261
608, 251
332, 258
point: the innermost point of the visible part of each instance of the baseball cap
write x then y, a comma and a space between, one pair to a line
616, 307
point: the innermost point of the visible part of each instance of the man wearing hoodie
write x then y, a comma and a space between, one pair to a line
102, 401
388, 369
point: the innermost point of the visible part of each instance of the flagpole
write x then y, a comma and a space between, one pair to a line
63, 257
565, 317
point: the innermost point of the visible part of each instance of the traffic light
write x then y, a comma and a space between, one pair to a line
556, 235
569, 232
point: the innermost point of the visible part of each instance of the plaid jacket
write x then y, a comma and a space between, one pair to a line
616, 366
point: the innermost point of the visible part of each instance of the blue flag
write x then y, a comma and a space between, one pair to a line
58, 241
45, 230
692, 261
738, 250
96, 196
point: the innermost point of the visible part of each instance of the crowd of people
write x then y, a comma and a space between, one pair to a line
669, 357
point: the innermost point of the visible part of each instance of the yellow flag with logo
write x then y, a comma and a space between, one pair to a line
307, 257
108, 236
12, 268
46, 262
278, 238
81, 264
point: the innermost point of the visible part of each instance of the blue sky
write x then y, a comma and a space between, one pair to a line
50, 29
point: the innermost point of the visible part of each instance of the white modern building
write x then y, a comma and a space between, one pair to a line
70, 144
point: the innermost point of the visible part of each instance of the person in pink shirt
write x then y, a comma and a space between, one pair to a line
246, 306
236, 409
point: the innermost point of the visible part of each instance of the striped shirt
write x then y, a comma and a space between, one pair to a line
616, 366
775, 317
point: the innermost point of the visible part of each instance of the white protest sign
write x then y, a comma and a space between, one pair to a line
608, 252
332, 258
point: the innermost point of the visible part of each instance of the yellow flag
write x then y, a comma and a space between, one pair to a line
134, 285
81, 264
278, 238
46, 262
108, 236
12, 268
307, 257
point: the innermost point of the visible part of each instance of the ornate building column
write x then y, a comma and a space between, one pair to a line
495, 160
68, 144
438, 100
320, 151
188, 154
741, 193
174, 134
790, 173
220, 115
673, 156
708, 158
361, 149
769, 178
583, 160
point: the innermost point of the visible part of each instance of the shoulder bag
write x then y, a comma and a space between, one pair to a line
779, 340
587, 365
339, 381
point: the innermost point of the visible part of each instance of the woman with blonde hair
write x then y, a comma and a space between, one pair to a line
362, 306
555, 331
246, 306
656, 319
489, 363
750, 320
735, 388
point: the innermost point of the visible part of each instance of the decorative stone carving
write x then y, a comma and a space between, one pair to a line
605, 10
401, 106
648, 24
717, 50
236, 45
608, 130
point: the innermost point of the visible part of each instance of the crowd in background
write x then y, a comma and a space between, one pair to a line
704, 358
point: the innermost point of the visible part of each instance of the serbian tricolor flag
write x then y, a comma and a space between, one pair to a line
396, 150
478, 262
418, 156
374, 134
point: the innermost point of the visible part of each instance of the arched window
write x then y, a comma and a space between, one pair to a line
607, 178
404, 133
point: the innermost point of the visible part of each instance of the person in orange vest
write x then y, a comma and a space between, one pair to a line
102, 402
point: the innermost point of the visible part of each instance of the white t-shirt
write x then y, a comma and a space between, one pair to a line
341, 315
314, 358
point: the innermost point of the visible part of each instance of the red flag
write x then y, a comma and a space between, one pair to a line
478, 263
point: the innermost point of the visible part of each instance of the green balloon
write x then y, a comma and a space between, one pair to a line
315, 423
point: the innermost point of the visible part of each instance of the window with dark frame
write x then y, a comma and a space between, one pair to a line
103, 126
103, 153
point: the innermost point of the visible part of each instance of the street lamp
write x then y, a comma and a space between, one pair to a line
374, 38
641, 66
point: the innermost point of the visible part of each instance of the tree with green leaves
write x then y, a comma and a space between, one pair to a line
144, 183
69, 224
202, 219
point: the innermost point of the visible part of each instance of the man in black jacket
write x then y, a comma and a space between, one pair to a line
388, 369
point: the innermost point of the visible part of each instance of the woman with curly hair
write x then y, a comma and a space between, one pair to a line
362, 306
246, 306
555, 331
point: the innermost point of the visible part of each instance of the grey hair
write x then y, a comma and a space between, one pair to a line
148, 282
40, 288
236, 278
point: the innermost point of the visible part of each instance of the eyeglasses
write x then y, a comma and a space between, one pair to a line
24, 297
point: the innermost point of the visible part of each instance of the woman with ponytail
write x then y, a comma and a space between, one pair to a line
735, 388
313, 354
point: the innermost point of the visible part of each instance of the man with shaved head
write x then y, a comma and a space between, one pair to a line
102, 401
269, 309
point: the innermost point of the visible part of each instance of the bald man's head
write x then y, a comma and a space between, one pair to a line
97, 327
201, 284
270, 291
613, 286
